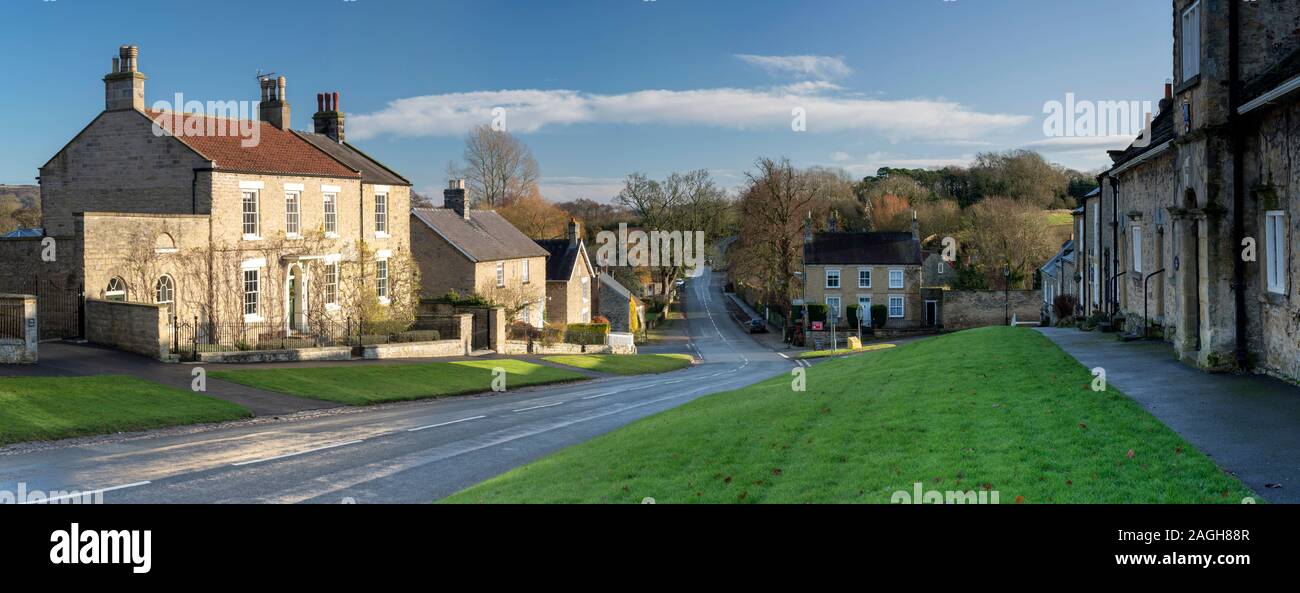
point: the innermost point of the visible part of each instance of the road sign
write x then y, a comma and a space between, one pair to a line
817, 326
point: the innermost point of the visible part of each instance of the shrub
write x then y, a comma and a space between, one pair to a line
879, 316
600, 319
851, 316
586, 334
1064, 305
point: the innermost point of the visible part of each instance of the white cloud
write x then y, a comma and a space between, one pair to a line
840, 156
816, 67
1070, 144
727, 108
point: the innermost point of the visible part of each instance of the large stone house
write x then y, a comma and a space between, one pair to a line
478, 253
867, 269
568, 277
1192, 236
190, 211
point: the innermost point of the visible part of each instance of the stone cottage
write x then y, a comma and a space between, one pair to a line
568, 277
625, 312
867, 269
1193, 229
478, 253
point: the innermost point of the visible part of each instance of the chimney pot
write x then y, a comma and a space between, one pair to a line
335, 102
320, 102
274, 109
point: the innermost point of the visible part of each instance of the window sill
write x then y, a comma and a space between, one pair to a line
252, 237
1190, 84
383, 236
253, 319
293, 236
329, 235
385, 301
333, 307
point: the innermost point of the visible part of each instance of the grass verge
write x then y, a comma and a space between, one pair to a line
997, 409
845, 352
636, 364
362, 385
48, 408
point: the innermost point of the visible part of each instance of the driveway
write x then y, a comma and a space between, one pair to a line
1249, 424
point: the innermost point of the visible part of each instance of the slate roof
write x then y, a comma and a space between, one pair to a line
564, 257
1066, 254
863, 248
1162, 131
372, 171
485, 237
1284, 70
23, 234
277, 152
618, 288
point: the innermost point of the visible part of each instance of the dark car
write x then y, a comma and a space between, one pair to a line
757, 326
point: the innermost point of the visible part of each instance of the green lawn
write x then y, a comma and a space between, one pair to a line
997, 409
362, 385
843, 352
48, 408
636, 364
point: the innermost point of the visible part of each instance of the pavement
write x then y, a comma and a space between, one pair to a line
1249, 424
401, 453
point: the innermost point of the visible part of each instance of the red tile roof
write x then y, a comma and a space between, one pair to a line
277, 152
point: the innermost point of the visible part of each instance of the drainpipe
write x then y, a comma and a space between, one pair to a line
1238, 178
1114, 238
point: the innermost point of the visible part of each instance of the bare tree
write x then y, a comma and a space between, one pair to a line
498, 168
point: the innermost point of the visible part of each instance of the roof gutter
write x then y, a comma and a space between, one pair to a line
1282, 90
1144, 157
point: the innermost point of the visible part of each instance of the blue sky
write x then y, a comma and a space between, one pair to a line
602, 88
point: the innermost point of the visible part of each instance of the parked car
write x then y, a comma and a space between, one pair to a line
757, 326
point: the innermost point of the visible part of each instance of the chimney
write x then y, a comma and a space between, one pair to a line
124, 86
1168, 101
916, 226
454, 198
329, 118
575, 231
274, 108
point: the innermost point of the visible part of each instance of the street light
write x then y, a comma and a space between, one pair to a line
1006, 289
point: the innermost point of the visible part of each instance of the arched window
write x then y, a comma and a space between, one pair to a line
165, 291
116, 290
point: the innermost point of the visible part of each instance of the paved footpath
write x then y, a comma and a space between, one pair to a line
1249, 424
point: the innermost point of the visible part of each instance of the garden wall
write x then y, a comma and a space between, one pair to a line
966, 309
134, 327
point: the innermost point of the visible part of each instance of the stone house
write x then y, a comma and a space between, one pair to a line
1194, 228
1058, 278
478, 253
867, 269
935, 272
568, 277
188, 210
625, 312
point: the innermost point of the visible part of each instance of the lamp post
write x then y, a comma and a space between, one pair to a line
1006, 290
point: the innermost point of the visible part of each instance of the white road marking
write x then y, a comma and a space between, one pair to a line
87, 493
445, 424
782, 355
600, 395
286, 455
539, 407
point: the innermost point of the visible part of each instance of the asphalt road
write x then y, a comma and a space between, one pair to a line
407, 453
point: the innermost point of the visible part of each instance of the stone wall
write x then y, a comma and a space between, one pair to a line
133, 327
333, 353
19, 348
439, 349
965, 309
520, 348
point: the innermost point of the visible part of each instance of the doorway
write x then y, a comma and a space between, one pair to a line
931, 313
296, 300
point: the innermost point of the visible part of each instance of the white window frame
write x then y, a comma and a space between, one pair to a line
525, 272
255, 225
941, 267
330, 205
381, 215
1276, 250
866, 284
293, 214
381, 280
252, 298
838, 278
110, 292
1191, 41
902, 306
1135, 239
158, 290
501, 274
833, 311
331, 284
902, 278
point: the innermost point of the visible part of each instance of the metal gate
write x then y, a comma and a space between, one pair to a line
482, 339
58, 308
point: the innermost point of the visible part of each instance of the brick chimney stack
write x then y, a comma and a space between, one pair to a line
124, 86
454, 198
329, 117
274, 107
